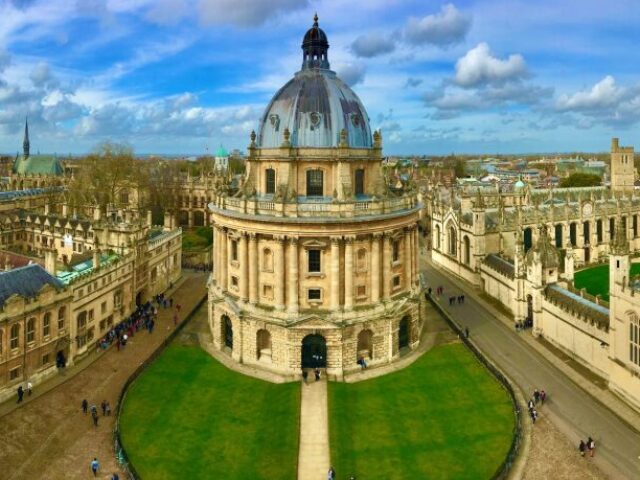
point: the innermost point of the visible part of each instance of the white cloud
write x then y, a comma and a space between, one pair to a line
244, 13
167, 12
41, 76
604, 94
373, 44
479, 67
351, 73
448, 27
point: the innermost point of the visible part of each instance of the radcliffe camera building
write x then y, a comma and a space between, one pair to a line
316, 257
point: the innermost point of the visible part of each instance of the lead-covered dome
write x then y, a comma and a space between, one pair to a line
315, 105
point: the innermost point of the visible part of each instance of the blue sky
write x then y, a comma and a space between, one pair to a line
181, 76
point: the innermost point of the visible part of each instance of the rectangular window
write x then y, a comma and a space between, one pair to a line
234, 282
314, 294
14, 374
45, 359
61, 313
103, 325
270, 181
314, 261
396, 281
46, 325
31, 330
315, 183
90, 333
13, 340
234, 250
362, 291
396, 250
267, 291
103, 307
91, 315
634, 343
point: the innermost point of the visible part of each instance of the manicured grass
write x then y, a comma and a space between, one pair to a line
444, 417
187, 416
596, 279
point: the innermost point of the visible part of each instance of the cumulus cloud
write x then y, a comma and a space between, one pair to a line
5, 60
167, 12
244, 13
351, 73
413, 82
604, 94
479, 66
41, 76
373, 44
447, 27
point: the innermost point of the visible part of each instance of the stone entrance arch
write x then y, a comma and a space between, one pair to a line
365, 345
314, 351
264, 345
403, 332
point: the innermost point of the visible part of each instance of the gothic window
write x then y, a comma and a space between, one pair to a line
359, 181
437, 232
558, 231
270, 181
314, 261
453, 241
635, 226
315, 184
612, 227
573, 234
467, 250
586, 232
599, 230
31, 330
634, 341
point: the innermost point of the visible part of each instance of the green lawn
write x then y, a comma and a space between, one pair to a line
444, 417
187, 416
596, 279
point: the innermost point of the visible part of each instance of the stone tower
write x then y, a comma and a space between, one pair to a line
622, 169
618, 260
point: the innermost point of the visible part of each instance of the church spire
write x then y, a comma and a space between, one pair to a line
25, 142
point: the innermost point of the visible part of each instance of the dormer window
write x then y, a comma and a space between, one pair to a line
275, 121
314, 119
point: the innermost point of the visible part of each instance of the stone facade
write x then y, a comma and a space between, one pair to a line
315, 259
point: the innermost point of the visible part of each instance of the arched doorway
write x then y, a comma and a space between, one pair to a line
403, 333
314, 352
227, 331
264, 344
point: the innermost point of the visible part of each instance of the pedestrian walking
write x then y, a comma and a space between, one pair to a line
108, 409
530, 404
29, 388
543, 396
305, 374
591, 445
95, 465
317, 374
85, 406
20, 394
582, 447
466, 332
536, 396
331, 474
103, 405
115, 476
94, 416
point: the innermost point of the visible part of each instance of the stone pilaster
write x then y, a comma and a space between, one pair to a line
386, 267
293, 275
416, 257
335, 273
408, 258
224, 260
253, 269
244, 267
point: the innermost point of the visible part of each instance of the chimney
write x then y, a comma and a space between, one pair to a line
65, 210
96, 258
46, 208
149, 218
614, 144
50, 256
97, 213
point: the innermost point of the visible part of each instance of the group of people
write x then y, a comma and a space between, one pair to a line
331, 475
105, 406
527, 323
539, 396
27, 388
588, 446
305, 374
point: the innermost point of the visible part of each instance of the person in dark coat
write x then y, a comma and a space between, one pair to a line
20, 394
85, 406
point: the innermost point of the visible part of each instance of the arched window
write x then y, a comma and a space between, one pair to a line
31, 330
227, 331
558, 232
453, 241
14, 336
365, 345
315, 183
359, 181
467, 250
269, 181
267, 260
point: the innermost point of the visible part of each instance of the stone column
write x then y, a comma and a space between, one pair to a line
348, 272
279, 272
293, 275
214, 257
375, 267
335, 273
386, 267
224, 259
253, 268
408, 259
190, 216
416, 257
244, 267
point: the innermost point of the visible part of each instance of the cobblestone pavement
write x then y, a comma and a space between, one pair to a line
552, 456
49, 437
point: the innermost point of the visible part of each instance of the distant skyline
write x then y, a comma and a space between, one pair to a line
180, 76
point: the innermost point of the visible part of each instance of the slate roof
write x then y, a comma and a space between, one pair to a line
38, 165
500, 265
26, 282
572, 302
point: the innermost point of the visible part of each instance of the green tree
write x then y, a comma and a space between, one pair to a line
581, 180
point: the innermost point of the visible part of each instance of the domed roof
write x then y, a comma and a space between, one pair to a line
221, 152
315, 105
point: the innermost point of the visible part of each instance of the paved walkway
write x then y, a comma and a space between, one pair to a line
48, 437
313, 456
572, 409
